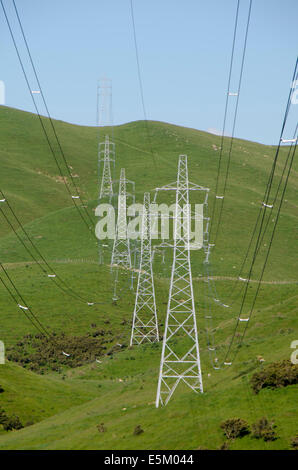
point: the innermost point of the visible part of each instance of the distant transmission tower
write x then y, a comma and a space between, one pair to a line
106, 147
106, 156
144, 326
180, 358
121, 247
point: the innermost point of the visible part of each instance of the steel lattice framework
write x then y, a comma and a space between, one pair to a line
106, 147
180, 358
106, 156
145, 326
121, 248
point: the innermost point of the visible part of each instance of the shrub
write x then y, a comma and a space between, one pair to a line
9, 422
263, 429
101, 427
13, 422
1, 389
275, 375
39, 355
235, 427
294, 442
138, 430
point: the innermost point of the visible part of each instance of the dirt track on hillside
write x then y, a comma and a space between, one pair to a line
88, 261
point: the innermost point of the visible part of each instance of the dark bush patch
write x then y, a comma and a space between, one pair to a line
294, 442
101, 427
1, 389
138, 430
39, 355
264, 429
13, 422
275, 375
235, 427
9, 422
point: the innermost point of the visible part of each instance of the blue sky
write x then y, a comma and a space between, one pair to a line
184, 48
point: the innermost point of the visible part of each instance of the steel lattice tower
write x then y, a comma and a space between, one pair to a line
121, 247
144, 326
106, 147
180, 358
106, 156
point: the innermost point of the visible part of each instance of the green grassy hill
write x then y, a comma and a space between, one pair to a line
120, 391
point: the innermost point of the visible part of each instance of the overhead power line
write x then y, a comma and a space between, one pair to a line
258, 233
25, 309
51, 273
73, 197
270, 244
141, 81
262, 215
221, 197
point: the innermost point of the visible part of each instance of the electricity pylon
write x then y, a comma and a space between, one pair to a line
107, 156
106, 147
104, 111
121, 247
144, 325
180, 358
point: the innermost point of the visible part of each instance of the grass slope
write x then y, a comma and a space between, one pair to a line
37, 397
126, 391
69, 406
